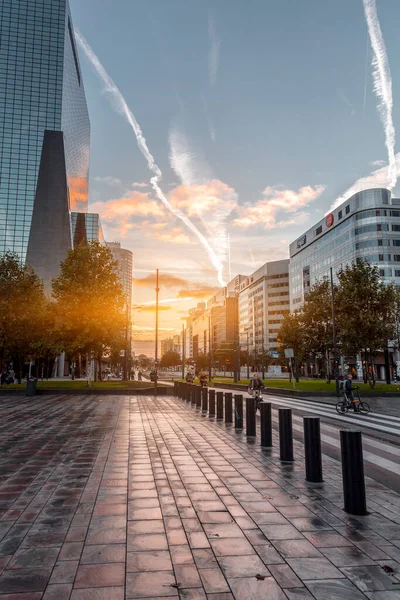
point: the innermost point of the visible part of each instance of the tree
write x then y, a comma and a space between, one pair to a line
23, 312
316, 316
365, 309
170, 359
91, 306
292, 335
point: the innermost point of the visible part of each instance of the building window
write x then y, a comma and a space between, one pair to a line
347, 209
340, 214
72, 39
396, 242
397, 272
318, 231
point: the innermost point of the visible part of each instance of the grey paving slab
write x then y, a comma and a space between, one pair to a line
134, 497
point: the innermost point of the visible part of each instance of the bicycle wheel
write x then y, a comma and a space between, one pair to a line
364, 408
341, 407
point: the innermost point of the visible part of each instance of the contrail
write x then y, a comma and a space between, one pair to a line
126, 112
382, 84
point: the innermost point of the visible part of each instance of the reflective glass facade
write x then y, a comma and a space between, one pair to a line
365, 226
40, 88
86, 227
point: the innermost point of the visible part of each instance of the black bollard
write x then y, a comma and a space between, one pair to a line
266, 424
353, 472
285, 434
198, 397
238, 411
184, 390
175, 388
220, 406
312, 449
228, 407
179, 388
211, 401
192, 394
204, 400
251, 417
187, 392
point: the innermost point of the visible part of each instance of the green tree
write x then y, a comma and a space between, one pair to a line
91, 306
292, 335
170, 359
316, 317
24, 313
365, 309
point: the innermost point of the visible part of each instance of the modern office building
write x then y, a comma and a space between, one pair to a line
44, 132
125, 262
172, 344
86, 227
366, 226
263, 301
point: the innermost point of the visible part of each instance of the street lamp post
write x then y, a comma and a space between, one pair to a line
156, 348
248, 355
210, 353
183, 352
335, 352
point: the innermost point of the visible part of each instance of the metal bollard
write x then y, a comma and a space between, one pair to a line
187, 393
184, 390
285, 434
198, 397
211, 402
220, 406
192, 394
228, 407
266, 424
312, 449
179, 389
204, 400
353, 472
175, 388
238, 411
251, 417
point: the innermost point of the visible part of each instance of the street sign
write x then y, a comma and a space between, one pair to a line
289, 353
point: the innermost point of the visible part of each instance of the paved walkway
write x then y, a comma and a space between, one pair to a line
106, 498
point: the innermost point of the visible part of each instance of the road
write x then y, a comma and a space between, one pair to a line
381, 434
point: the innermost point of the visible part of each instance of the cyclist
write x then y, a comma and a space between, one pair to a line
256, 383
348, 390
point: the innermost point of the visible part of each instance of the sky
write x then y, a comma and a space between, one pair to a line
258, 116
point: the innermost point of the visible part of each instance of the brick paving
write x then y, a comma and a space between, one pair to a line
107, 498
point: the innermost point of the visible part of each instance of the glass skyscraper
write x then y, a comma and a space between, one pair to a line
44, 130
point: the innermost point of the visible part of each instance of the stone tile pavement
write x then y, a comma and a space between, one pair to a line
107, 498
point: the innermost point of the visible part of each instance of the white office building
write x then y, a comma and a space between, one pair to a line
366, 226
263, 301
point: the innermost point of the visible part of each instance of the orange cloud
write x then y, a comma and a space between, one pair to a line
199, 292
264, 213
120, 212
174, 236
152, 308
198, 199
165, 280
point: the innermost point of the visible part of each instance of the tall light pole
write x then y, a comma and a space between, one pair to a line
156, 348
183, 351
335, 352
210, 356
248, 355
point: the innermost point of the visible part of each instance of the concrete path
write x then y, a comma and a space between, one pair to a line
106, 498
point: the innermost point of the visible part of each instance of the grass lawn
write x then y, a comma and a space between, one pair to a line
313, 385
78, 385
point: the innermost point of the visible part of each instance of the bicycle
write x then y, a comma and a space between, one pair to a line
257, 394
344, 405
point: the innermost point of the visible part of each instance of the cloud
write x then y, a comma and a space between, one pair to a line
377, 163
198, 293
186, 290
165, 280
382, 85
214, 52
151, 308
380, 178
108, 180
78, 193
264, 213
140, 184
174, 236
209, 198
121, 213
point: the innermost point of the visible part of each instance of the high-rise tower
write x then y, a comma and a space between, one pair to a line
44, 132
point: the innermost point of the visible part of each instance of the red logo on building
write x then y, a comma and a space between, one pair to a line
329, 220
